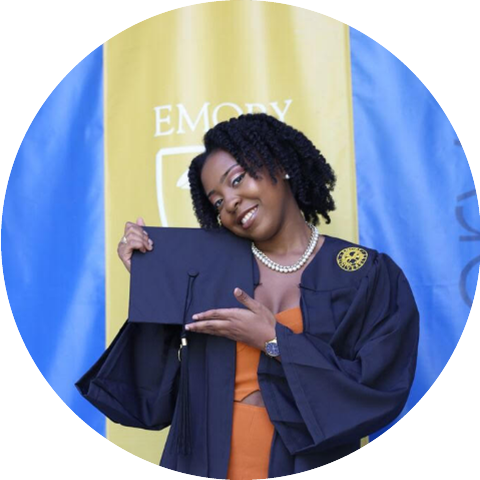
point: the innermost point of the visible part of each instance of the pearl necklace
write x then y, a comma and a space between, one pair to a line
296, 266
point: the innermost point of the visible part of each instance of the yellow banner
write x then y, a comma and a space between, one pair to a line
172, 77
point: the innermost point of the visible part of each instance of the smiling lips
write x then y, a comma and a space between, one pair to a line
247, 219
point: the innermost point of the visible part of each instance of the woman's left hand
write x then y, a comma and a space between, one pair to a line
254, 325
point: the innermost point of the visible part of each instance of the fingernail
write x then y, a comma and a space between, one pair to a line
195, 317
187, 327
150, 241
237, 292
145, 233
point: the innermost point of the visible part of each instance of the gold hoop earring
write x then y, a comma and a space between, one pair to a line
219, 220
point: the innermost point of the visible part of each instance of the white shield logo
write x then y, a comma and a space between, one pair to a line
173, 190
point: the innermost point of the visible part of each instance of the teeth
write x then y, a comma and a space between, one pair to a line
248, 216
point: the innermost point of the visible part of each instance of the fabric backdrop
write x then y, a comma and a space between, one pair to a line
114, 139
416, 94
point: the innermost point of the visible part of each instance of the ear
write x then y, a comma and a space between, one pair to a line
282, 174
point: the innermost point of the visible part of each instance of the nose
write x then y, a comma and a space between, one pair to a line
232, 202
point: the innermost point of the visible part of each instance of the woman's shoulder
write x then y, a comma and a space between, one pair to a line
348, 255
342, 263
344, 249
341, 243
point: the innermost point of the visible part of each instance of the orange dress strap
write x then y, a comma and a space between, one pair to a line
252, 431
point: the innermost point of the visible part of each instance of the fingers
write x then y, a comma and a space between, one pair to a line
218, 314
217, 322
134, 238
246, 300
235, 327
134, 242
211, 327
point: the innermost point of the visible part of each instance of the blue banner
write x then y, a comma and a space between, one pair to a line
51, 237
416, 99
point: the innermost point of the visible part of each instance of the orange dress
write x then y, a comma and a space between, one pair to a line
252, 431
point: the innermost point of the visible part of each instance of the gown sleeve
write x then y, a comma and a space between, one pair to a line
135, 381
327, 393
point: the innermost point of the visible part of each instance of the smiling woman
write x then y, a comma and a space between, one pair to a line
265, 148
264, 179
326, 346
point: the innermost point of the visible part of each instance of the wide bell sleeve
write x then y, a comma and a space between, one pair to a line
327, 393
135, 381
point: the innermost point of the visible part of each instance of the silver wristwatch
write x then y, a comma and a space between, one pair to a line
271, 348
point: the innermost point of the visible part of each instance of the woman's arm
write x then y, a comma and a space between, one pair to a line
321, 396
135, 381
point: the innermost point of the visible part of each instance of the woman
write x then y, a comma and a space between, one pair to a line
326, 349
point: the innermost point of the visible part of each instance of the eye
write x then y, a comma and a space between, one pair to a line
218, 204
236, 181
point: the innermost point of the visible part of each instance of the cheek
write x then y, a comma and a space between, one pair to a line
274, 198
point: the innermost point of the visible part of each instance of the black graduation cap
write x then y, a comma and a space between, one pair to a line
189, 271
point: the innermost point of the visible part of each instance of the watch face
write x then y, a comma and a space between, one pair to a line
272, 350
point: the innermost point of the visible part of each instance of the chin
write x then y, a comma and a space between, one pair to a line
239, 232
259, 235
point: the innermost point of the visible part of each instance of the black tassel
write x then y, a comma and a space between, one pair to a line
183, 434
183, 440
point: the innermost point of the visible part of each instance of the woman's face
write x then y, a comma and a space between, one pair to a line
248, 207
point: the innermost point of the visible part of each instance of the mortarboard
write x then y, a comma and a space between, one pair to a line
188, 271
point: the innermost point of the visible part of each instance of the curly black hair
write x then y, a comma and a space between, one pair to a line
259, 140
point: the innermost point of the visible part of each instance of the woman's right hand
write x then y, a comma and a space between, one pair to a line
134, 238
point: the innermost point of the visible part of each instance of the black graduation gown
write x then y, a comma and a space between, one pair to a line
347, 375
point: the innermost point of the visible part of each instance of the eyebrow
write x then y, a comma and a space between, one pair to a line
222, 178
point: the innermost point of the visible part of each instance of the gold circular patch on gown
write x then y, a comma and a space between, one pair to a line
352, 258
